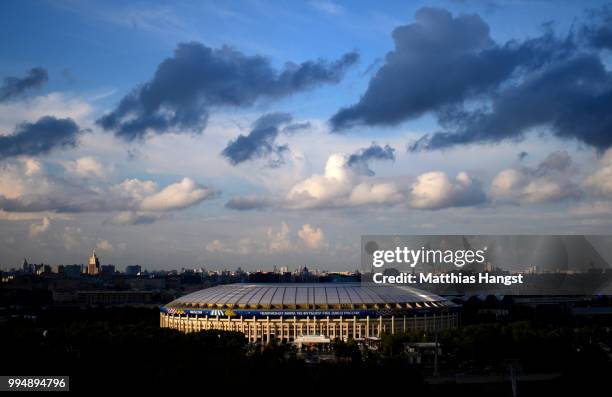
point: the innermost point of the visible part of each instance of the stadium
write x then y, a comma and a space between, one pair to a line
287, 312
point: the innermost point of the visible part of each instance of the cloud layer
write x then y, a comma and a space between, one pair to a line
26, 187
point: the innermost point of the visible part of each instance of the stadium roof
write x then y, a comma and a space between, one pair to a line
309, 296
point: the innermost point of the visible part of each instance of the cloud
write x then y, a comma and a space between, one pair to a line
246, 203
15, 86
598, 32
215, 246
436, 190
104, 245
550, 181
260, 142
327, 7
56, 104
279, 241
43, 191
87, 167
72, 237
359, 160
600, 182
177, 196
438, 60
36, 229
482, 91
341, 186
312, 237
597, 209
134, 218
40, 137
198, 79
570, 99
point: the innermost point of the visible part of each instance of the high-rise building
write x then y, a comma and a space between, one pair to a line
93, 266
27, 267
133, 270
107, 269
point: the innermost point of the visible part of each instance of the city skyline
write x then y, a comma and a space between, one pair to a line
239, 134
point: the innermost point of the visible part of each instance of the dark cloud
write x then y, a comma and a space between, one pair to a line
15, 86
197, 79
598, 32
133, 218
522, 155
247, 203
55, 202
439, 60
260, 142
558, 161
570, 99
295, 127
485, 92
359, 161
41, 137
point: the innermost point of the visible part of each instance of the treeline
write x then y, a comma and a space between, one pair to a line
117, 349
126, 349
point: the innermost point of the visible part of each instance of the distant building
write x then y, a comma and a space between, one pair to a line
42, 269
27, 268
107, 269
133, 270
93, 266
69, 270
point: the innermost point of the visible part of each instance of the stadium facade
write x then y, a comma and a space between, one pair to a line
288, 311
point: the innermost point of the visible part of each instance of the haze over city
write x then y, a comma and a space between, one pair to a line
179, 135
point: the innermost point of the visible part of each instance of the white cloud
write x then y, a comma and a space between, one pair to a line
279, 241
327, 7
32, 166
600, 182
597, 208
104, 245
72, 237
54, 104
341, 186
548, 182
435, 190
215, 246
178, 195
87, 167
36, 229
312, 237
135, 189
25, 186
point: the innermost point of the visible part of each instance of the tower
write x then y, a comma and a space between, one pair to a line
93, 266
26, 267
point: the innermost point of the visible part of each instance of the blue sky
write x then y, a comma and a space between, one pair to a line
304, 179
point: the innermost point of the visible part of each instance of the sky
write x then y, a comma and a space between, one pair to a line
260, 133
